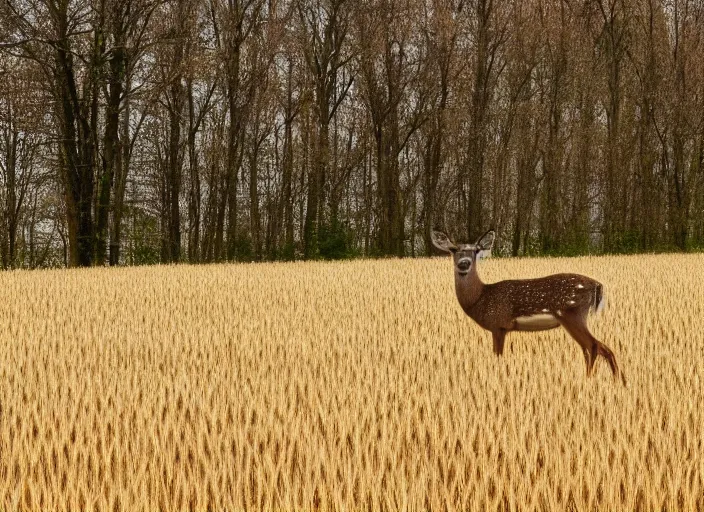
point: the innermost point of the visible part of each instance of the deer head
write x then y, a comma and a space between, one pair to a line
464, 255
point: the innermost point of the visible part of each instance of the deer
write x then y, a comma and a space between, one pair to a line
526, 304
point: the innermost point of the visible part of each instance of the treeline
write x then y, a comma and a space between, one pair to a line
142, 131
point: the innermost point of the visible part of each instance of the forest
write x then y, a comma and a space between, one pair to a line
162, 131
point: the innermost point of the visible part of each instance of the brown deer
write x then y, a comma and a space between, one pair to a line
526, 304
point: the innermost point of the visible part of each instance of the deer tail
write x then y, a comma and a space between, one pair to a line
599, 300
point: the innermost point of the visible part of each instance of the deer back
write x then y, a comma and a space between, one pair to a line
501, 303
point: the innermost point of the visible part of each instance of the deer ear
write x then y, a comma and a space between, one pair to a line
486, 241
442, 241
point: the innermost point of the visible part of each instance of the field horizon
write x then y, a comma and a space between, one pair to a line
342, 386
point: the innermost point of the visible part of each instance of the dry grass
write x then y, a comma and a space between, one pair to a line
345, 386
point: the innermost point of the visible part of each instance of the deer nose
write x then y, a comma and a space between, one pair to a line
464, 264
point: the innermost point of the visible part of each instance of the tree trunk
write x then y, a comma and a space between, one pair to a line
122, 166
171, 248
77, 152
287, 172
194, 182
474, 220
234, 158
254, 216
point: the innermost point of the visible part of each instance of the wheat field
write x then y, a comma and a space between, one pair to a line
344, 386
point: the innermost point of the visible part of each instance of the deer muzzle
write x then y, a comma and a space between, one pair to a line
464, 264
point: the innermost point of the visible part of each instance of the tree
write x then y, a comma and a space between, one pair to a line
22, 143
324, 26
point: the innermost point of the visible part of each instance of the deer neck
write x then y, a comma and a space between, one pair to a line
468, 288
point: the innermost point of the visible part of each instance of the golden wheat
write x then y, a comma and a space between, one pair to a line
345, 386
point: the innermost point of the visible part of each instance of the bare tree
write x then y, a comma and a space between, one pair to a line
324, 29
22, 144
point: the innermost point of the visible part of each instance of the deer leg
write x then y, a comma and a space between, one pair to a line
499, 338
576, 326
608, 354
587, 358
